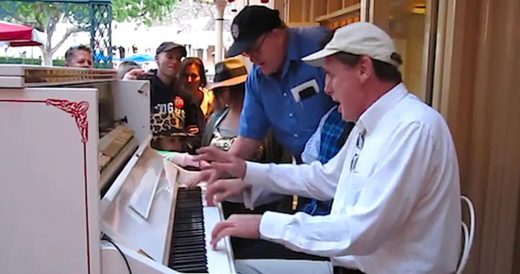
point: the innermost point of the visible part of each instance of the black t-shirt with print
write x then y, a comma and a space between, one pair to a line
171, 114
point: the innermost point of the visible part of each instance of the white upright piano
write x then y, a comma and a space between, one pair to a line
81, 191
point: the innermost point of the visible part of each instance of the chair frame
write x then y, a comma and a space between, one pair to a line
469, 233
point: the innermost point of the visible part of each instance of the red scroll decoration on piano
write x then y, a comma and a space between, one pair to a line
78, 110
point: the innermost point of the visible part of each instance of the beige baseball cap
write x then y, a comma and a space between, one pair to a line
359, 38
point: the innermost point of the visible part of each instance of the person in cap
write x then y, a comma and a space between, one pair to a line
282, 92
395, 182
176, 122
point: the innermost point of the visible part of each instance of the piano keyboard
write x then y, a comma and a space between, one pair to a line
188, 246
176, 233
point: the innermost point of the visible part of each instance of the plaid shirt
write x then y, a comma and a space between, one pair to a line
331, 141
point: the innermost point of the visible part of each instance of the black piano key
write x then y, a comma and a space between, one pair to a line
197, 220
190, 205
188, 227
184, 234
189, 240
184, 260
197, 264
193, 269
187, 260
188, 243
173, 261
180, 256
188, 253
179, 245
186, 250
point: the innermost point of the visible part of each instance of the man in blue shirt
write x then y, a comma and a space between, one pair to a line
283, 93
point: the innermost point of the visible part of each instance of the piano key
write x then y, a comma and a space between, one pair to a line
195, 269
187, 249
188, 243
178, 245
191, 241
198, 259
188, 227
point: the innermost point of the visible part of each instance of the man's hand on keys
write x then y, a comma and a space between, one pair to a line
241, 225
223, 176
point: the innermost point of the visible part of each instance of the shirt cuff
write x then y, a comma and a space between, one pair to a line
273, 225
256, 173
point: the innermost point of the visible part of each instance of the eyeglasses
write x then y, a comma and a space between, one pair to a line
255, 49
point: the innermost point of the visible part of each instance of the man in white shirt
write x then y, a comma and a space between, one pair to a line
395, 182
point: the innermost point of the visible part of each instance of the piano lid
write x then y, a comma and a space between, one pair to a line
148, 188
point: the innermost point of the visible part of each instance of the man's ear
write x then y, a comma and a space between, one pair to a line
365, 69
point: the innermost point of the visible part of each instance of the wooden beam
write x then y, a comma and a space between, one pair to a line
302, 24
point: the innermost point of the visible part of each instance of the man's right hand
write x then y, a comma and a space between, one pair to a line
134, 74
223, 189
223, 176
225, 164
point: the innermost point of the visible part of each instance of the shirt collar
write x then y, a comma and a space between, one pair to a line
369, 119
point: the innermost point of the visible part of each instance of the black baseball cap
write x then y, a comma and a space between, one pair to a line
249, 24
167, 46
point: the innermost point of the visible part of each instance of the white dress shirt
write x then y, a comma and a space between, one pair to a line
395, 185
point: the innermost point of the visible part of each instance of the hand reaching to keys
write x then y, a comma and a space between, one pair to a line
241, 225
223, 176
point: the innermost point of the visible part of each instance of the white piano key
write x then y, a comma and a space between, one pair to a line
220, 258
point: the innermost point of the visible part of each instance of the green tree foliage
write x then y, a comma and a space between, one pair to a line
141, 11
45, 15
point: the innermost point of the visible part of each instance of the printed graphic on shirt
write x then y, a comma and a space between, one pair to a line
168, 118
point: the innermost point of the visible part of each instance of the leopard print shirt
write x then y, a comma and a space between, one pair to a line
168, 118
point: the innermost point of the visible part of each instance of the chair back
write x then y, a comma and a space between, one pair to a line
469, 232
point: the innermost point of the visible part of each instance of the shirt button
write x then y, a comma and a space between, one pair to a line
285, 94
290, 115
295, 135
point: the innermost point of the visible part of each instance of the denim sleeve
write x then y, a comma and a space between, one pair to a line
254, 123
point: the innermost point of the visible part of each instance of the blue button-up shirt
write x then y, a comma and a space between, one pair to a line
269, 102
